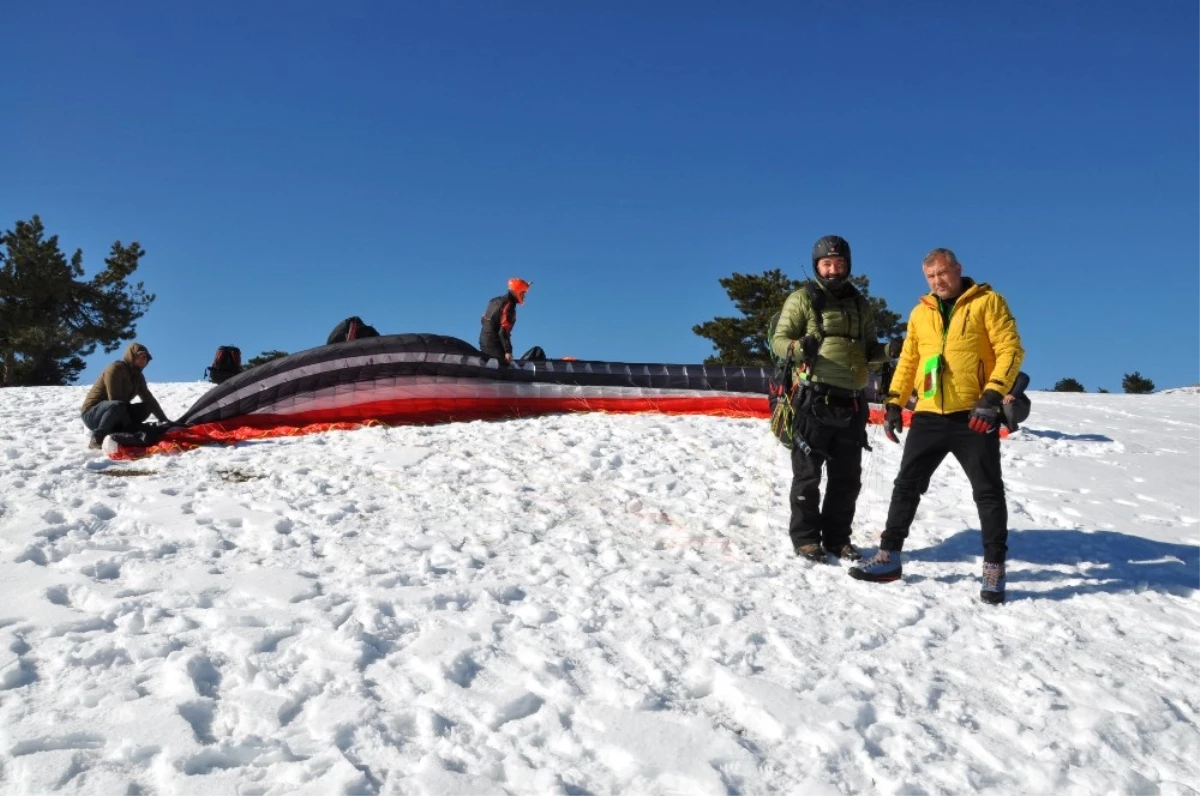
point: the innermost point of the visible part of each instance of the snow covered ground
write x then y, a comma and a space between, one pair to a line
589, 604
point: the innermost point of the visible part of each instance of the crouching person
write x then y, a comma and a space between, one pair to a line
109, 404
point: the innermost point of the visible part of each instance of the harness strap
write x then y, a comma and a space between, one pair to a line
830, 391
816, 298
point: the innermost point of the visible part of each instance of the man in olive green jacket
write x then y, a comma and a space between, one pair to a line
828, 331
109, 405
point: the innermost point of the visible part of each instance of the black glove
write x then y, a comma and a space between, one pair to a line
893, 423
985, 416
809, 347
893, 348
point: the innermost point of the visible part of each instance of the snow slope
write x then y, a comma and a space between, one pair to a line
589, 604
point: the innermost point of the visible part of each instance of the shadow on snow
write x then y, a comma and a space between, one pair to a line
1083, 562
1033, 432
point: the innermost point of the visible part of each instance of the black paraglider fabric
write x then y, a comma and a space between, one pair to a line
428, 367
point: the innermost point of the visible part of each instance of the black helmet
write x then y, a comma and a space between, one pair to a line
831, 246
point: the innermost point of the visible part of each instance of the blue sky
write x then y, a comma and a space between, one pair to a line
288, 164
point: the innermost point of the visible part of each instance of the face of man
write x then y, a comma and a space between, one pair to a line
832, 267
945, 280
141, 360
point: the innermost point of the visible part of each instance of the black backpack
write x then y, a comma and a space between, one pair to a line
353, 328
226, 364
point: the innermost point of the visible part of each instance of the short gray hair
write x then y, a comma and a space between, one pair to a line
941, 254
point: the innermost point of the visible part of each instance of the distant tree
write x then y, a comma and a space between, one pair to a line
1135, 384
742, 340
264, 357
1101, 390
50, 318
888, 324
1068, 385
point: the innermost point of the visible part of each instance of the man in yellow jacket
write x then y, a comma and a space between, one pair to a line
962, 355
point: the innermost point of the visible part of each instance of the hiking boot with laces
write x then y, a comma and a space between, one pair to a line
813, 552
882, 567
992, 592
846, 552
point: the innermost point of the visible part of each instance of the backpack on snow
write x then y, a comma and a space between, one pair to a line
226, 364
353, 328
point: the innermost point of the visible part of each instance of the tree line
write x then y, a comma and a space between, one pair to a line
1134, 383
52, 316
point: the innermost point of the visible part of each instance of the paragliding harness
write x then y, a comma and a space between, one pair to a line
353, 328
821, 411
226, 364
806, 413
781, 391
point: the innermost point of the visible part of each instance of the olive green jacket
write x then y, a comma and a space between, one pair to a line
849, 342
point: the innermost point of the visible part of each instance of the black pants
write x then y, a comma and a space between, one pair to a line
841, 450
930, 438
108, 416
492, 350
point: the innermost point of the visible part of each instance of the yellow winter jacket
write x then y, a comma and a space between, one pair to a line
980, 350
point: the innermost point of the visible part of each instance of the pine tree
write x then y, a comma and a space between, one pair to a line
50, 318
1068, 385
888, 325
742, 341
1135, 384
265, 357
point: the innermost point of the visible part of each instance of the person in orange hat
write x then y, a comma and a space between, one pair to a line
109, 405
497, 321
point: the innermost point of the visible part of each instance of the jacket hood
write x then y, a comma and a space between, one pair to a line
132, 351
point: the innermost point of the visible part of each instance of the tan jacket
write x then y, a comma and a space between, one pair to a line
123, 381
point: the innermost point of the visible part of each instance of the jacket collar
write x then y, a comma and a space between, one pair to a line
971, 291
